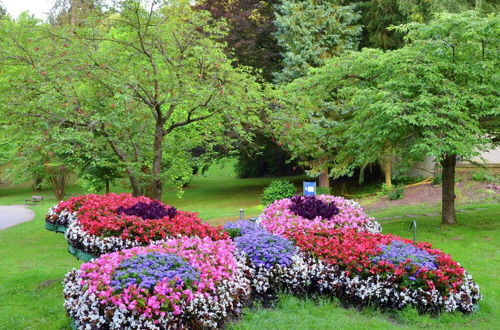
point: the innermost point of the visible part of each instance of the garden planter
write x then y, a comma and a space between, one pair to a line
55, 228
79, 254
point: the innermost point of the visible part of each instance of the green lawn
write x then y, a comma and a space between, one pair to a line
33, 262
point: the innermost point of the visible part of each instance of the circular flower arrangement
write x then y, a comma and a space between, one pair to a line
303, 245
114, 222
323, 211
185, 282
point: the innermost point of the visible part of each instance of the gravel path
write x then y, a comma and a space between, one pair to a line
14, 214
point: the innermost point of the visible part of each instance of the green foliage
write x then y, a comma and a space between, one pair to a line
437, 179
311, 31
483, 175
278, 189
265, 158
153, 88
395, 193
233, 232
428, 98
323, 191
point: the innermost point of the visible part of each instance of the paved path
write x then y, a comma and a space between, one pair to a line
13, 215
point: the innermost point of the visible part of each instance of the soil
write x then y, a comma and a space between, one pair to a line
466, 191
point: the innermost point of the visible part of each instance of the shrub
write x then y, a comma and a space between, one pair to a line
437, 179
323, 191
397, 192
278, 189
483, 176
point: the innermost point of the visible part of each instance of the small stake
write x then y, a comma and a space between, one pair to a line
414, 225
242, 214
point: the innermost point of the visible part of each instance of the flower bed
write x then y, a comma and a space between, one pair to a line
386, 270
323, 211
324, 245
185, 282
357, 266
114, 222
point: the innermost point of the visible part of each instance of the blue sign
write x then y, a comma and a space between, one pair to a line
309, 188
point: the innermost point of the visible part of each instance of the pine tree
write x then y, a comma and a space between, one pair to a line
311, 31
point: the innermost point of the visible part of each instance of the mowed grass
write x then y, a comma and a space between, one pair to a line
33, 262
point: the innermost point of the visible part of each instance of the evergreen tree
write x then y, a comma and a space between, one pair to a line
311, 31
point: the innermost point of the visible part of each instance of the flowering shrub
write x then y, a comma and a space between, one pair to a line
182, 283
113, 222
280, 218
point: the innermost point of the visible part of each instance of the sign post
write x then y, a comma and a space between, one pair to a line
309, 188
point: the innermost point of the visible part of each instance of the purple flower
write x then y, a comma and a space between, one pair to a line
146, 270
310, 207
153, 210
241, 227
399, 252
266, 250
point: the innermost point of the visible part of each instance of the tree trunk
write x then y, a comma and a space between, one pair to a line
107, 186
37, 183
157, 185
388, 173
324, 180
448, 190
59, 179
134, 184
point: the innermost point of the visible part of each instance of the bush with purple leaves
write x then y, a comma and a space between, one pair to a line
310, 207
153, 210
399, 252
146, 270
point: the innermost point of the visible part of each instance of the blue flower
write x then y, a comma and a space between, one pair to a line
399, 252
265, 249
146, 270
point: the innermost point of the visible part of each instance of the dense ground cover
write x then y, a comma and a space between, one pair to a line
34, 262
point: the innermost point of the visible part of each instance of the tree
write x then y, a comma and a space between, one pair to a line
446, 86
72, 12
250, 38
150, 83
313, 30
437, 96
3, 11
379, 15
